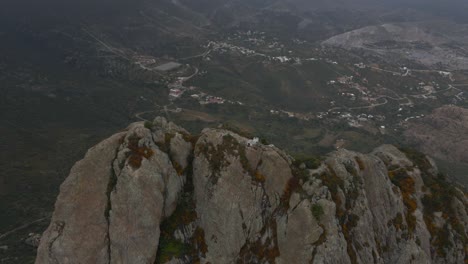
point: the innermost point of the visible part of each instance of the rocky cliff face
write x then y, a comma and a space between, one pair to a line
156, 194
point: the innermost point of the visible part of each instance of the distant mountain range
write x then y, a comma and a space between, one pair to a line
71, 9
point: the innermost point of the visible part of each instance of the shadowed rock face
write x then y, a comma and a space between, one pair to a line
111, 205
159, 195
80, 228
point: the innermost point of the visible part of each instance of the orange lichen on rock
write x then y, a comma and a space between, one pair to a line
199, 240
258, 177
360, 163
262, 251
292, 185
406, 185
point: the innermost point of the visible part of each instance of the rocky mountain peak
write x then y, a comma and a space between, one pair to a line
156, 194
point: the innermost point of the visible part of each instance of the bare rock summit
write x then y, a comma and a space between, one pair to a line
156, 194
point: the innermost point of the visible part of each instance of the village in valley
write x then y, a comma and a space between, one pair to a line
307, 81
361, 94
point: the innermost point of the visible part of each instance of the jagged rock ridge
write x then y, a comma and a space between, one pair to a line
156, 194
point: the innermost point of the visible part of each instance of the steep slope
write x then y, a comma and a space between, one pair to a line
155, 194
431, 43
443, 134
124, 178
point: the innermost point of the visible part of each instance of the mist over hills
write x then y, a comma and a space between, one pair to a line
72, 9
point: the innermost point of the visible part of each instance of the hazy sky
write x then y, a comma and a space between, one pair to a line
40, 9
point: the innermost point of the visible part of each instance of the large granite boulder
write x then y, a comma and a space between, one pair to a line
156, 194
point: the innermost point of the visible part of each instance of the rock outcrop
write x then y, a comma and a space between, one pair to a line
156, 194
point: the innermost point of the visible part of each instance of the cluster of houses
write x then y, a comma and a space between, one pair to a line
349, 83
360, 119
223, 47
206, 99
257, 39
209, 99
351, 87
175, 93
360, 65
345, 79
342, 80
300, 116
254, 39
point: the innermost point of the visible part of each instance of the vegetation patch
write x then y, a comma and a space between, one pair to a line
439, 198
418, 158
179, 169
311, 162
299, 172
406, 184
317, 211
350, 168
347, 221
258, 177
148, 125
184, 215
198, 240
261, 251
217, 157
165, 146
237, 130
397, 222
346, 226
189, 138
137, 152
170, 248
292, 186
332, 181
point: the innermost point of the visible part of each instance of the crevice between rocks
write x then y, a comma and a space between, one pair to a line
58, 229
110, 187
